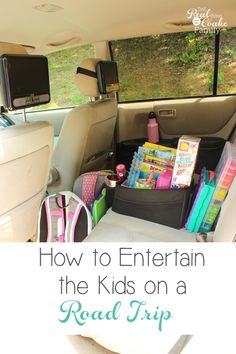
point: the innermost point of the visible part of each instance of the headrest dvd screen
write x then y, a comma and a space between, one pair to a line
24, 81
107, 76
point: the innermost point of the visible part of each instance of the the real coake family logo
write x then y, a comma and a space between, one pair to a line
205, 20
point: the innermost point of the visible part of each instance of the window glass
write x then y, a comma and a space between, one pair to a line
226, 82
62, 69
165, 66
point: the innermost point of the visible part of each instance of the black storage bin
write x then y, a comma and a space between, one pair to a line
126, 149
166, 207
208, 156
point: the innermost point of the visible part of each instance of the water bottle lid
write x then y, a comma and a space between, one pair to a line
152, 115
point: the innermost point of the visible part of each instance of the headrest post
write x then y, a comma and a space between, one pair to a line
24, 116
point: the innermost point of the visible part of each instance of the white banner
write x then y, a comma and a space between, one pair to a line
131, 297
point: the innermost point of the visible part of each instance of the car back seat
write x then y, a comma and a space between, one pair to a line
115, 227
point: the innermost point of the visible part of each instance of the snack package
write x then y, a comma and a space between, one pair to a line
185, 161
142, 184
147, 168
160, 152
158, 162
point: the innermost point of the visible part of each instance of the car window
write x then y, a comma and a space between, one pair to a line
62, 69
227, 62
173, 65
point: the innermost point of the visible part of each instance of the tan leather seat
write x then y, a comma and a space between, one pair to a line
86, 136
25, 152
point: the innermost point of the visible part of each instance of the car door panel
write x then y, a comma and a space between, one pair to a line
132, 120
209, 116
202, 116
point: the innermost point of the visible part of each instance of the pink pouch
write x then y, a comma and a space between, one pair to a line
164, 180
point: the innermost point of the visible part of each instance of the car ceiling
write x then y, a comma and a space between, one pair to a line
89, 21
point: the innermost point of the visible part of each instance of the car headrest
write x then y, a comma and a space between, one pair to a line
87, 85
11, 48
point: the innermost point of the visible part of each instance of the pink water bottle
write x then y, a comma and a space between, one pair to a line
153, 128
